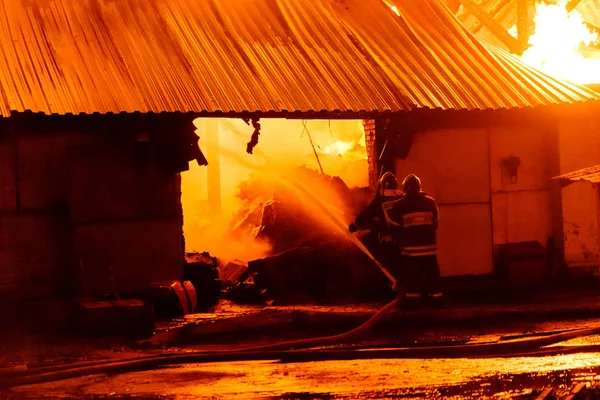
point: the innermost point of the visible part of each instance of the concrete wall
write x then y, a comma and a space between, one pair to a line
34, 241
574, 208
451, 164
8, 182
454, 167
581, 230
125, 216
46, 217
579, 142
481, 208
521, 209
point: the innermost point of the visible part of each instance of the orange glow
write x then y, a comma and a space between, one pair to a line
283, 145
347, 150
337, 148
559, 45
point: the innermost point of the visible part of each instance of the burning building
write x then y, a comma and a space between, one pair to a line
99, 100
502, 168
528, 30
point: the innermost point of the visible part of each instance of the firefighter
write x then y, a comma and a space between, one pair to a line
373, 216
372, 219
413, 222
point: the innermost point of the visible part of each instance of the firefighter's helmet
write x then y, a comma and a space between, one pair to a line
411, 184
388, 181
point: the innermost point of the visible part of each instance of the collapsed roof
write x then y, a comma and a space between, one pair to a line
491, 20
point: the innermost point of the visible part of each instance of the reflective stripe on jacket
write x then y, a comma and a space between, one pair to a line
413, 221
418, 251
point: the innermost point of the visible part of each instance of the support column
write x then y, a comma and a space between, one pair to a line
375, 139
211, 130
370, 134
387, 140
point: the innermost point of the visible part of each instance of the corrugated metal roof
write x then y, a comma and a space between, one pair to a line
591, 174
85, 56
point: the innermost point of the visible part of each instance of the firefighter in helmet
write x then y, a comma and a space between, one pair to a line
413, 222
375, 232
373, 216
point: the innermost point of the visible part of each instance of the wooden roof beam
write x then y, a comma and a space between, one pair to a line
513, 44
525, 22
572, 4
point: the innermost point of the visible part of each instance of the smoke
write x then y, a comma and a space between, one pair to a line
282, 148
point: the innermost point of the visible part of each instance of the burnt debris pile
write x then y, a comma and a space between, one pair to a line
310, 260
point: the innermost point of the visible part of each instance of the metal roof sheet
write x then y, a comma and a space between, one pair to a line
86, 56
591, 174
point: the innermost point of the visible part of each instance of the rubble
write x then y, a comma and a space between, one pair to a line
273, 212
246, 292
233, 271
172, 298
332, 272
201, 269
307, 264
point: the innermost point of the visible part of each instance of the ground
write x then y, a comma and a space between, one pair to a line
467, 378
522, 377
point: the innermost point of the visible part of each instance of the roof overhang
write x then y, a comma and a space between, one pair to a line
590, 174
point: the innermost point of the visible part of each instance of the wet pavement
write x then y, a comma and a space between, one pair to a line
471, 378
460, 378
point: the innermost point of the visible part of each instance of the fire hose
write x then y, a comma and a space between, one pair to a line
304, 350
282, 352
268, 352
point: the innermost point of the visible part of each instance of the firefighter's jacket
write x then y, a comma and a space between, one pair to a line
413, 221
373, 215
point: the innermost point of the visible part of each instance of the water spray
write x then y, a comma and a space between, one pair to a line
325, 208
342, 227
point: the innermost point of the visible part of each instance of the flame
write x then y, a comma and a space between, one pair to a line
559, 42
277, 153
348, 150
338, 148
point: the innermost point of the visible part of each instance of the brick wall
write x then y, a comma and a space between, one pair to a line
372, 151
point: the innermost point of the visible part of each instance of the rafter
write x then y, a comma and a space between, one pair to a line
525, 23
572, 4
496, 7
513, 44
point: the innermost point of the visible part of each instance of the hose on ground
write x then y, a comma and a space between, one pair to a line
274, 352
302, 343
324, 341
531, 347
